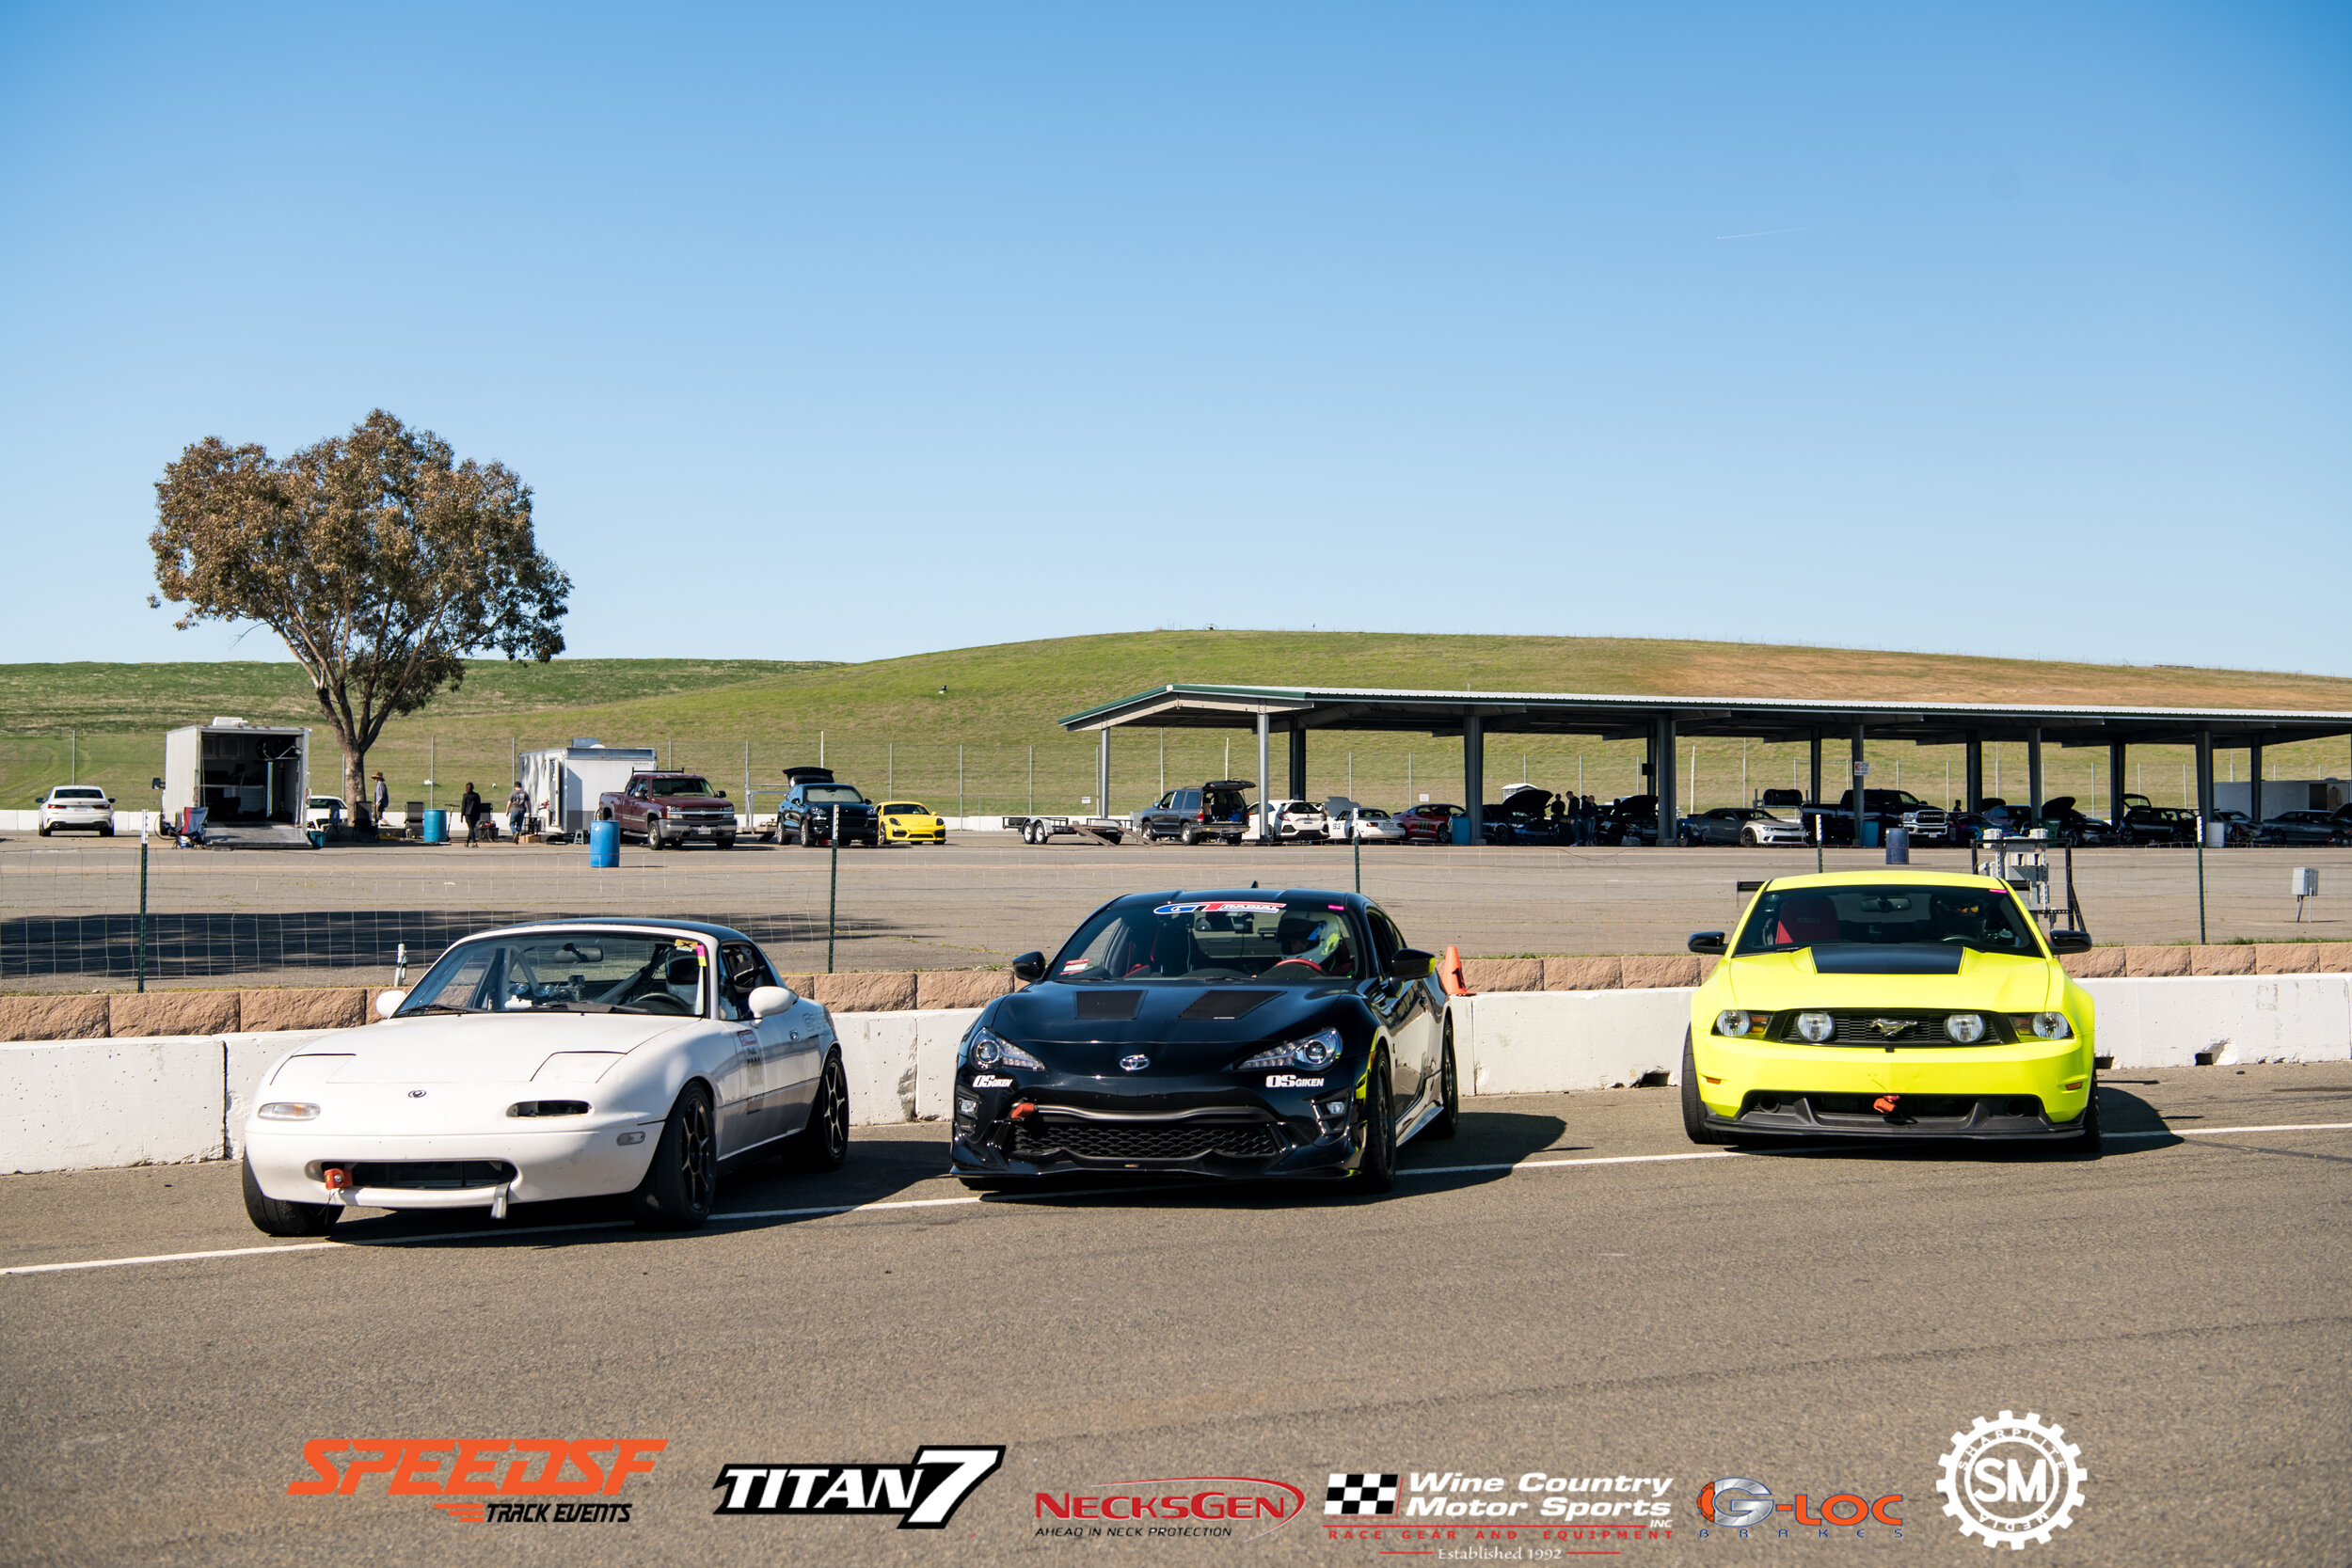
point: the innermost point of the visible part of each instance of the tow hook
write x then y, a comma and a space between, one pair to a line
1024, 1110
338, 1182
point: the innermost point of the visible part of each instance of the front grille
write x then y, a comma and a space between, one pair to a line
1927, 1027
1162, 1140
430, 1174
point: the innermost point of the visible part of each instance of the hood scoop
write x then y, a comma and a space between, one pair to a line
1871, 957
1225, 1006
1108, 1006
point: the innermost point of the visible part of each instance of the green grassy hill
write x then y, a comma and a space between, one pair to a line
981, 740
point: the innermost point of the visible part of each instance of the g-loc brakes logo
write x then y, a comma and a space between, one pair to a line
925, 1495
532, 1468
1986, 1491
1740, 1503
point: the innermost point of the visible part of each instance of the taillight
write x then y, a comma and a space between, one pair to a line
1203, 816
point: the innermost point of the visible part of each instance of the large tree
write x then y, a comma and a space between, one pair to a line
379, 558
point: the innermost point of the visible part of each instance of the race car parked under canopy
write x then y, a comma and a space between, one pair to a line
1237, 1034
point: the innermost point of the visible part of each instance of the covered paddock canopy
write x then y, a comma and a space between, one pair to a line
1661, 720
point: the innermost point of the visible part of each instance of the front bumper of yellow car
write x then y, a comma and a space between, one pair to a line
2035, 1088
913, 830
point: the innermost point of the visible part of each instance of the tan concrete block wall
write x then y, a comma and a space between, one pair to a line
800, 985
2147, 962
2332, 958
882, 990
302, 1007
1599, 974
960, 988
2222, 960
1486, 974
172, 1012
2100, 963
1678, 968
52, 1018
2286, 958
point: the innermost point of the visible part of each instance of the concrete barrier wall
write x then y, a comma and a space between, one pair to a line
80, 1104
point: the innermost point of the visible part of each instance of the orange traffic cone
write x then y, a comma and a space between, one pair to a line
1449, 975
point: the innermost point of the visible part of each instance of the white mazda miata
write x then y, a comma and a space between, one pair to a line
572, 1059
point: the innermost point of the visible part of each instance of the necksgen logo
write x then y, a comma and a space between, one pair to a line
923, 1495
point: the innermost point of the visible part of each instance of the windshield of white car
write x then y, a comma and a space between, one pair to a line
822, 793
1267, 939
1979, 917
623, 971
65, 793
660, 788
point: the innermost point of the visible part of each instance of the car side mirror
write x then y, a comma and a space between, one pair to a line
2070, 942
1029, 967
771, 998
720, 794
387, 1002
1412, 963
1706, 941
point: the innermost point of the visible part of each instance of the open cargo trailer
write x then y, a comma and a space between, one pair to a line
564, 781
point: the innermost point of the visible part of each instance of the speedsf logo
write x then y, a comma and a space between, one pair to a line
476, 1476
1537, 1495
923, 1495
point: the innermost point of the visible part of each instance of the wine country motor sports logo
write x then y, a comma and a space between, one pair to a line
924, 1494
2012, 1482
1219, 1508
1738, 1505
1430, 1510
1355, 1494
487, 1481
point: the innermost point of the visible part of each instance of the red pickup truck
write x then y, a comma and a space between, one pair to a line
669, 809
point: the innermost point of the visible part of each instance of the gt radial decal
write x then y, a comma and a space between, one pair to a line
1172, 1506
923, 1495
1220, 905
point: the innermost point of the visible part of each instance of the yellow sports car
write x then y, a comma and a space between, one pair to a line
1889, 1003
909, 823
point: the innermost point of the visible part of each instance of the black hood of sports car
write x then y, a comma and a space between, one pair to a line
1181, 1026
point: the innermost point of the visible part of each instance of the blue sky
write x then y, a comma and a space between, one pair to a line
1984, 328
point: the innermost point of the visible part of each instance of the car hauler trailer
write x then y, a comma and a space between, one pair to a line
253, 776
564, 781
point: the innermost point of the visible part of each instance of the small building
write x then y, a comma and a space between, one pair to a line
2277, 795
564, 781
240, 773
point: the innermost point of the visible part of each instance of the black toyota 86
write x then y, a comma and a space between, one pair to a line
1240, 1034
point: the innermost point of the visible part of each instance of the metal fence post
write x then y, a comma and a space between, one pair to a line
1356, 838
141, 963
2201, 881
833, 893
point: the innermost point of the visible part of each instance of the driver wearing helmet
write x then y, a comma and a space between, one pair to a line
1308, 937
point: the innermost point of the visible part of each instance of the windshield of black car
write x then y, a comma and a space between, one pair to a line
1978, 917
1274, 940
630, 972
661, 788
846, 794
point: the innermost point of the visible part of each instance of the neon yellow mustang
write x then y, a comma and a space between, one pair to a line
1889, 1003
909, 822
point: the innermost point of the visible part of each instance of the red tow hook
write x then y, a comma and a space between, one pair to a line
1884, 1104
1026, 1108
337, 1179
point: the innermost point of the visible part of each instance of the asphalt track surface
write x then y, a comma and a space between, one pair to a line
1569, 1288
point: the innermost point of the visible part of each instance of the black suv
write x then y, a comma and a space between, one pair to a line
1218, 810
817, 808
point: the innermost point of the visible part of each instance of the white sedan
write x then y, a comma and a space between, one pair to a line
1368, 823
574, 1058
77, 806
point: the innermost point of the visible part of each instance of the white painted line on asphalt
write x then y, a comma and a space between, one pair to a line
823, 1210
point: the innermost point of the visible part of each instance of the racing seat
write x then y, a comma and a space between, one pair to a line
1806, 919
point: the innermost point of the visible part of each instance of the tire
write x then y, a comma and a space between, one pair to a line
106, 831
678, 1187
43, 830
653, 836
824, 1142
726, 841
2087, 1141
1448, 1120
1189, 837
1685, 841
1695, 1109
1376, 1171
1747, 838
274, 1218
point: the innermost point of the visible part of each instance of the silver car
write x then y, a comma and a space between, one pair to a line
82, 806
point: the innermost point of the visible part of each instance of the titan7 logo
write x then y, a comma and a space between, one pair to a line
923, 1495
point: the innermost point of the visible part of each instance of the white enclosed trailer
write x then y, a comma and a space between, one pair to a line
565, 781
240, 773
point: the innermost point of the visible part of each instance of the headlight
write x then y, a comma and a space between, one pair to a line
286, 1110
1816, 1028
1316, 1052
1736, 1022
987, 1048
1966, 1028
2052, 1026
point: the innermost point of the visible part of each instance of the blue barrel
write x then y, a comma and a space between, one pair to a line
435, 826
1461, 829
1869, 832
1899, 845
604, 843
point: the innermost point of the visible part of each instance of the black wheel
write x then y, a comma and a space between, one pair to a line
1375, 1171
106, 830
824, 1142
273, 1218
1449, 1118
808, 840
1684, 840
726, 841
1189, 837
1695, 1109
43, 830
2087, 1141
676, 1192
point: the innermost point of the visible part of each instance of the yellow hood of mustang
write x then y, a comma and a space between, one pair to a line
1997, 982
